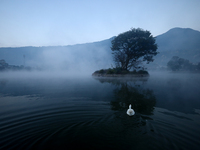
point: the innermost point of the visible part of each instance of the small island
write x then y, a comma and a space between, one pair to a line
129, 50
117, 72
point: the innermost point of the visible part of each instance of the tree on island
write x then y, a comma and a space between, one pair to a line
132, 47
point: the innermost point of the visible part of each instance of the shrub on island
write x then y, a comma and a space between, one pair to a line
118, 71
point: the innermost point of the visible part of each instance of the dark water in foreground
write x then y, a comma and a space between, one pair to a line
60, 112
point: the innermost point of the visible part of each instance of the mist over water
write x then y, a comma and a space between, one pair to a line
81, 58
176, 91
67, 110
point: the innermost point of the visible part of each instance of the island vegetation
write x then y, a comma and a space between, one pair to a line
130, 49
117, 72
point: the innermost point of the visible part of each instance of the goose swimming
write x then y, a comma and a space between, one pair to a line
130, 111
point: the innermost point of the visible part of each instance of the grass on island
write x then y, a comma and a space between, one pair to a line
120, 72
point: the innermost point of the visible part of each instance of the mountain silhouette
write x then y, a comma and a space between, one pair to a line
181, 42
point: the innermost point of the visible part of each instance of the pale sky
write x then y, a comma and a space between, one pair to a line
68, 22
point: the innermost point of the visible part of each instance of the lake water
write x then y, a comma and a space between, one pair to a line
56, 111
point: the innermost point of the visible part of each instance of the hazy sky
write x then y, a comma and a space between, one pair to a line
67, 22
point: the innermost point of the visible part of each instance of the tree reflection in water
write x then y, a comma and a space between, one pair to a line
131, 91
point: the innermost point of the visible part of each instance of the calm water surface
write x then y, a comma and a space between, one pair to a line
45, 111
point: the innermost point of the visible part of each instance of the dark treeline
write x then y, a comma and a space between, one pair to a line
181, 64
5, 66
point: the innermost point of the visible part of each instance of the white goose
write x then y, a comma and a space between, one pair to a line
130, 111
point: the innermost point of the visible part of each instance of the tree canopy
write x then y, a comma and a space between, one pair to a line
132, 47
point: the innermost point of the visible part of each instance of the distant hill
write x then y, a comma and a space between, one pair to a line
181, 42
179, 38
80, 57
